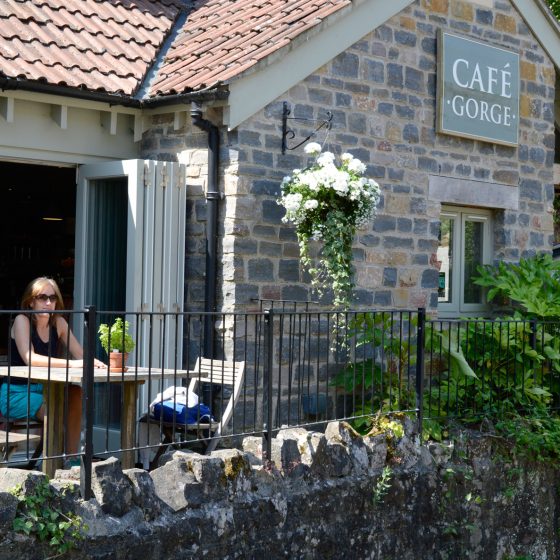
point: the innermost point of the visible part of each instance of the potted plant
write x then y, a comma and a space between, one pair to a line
117, 342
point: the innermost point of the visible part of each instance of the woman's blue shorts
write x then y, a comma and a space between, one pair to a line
25, 400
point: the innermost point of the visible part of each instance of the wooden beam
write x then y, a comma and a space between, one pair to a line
109, 121
557, 174
138, 127
59, 114
179, 119
7, 108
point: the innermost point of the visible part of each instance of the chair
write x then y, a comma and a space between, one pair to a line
10, 440
217, 372
228, 374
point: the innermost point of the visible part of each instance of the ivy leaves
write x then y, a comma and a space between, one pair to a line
39, 515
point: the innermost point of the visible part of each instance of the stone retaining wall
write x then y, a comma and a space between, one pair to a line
320, 498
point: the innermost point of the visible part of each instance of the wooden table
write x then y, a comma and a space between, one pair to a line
54, 380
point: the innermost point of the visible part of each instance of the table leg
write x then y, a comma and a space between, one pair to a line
53, 437
128, 424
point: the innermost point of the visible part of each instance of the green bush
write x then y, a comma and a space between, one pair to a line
507, 370
492, 367
532, 287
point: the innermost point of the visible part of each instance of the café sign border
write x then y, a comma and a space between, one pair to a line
478, 90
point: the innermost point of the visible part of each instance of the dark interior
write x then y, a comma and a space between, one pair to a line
37, 231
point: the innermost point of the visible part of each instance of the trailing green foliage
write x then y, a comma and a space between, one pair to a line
327, 202
39, 515
555, 7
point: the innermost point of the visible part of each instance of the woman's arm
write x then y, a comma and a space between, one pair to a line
21, 333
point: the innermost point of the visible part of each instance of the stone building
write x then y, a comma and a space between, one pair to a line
196, 94
490, 198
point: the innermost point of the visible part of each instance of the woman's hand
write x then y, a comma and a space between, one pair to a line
81, 363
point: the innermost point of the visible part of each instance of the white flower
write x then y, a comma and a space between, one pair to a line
340, 182
292, 201
356, 166
311, 204
313, 148
346, 157
341, 187
325, 159
310, 180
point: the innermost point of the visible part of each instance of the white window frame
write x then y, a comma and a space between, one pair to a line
461, 215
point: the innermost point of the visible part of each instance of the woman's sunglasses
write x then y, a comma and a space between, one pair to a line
44, 298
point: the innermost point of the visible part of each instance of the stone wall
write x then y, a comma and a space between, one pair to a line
320, 498
382, 93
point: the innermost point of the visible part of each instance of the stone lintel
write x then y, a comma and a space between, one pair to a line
473, 193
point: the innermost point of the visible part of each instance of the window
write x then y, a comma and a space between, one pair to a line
464, 244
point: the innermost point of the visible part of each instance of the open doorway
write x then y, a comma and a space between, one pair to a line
37, 232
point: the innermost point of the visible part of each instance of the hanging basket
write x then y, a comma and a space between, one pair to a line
327, 202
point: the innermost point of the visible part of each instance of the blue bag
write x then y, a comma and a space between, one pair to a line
171, 411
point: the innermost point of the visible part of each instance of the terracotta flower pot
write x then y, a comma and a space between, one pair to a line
117, 361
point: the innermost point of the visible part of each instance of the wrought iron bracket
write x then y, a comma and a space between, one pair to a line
289, 134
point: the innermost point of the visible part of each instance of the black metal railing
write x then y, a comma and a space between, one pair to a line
299, 367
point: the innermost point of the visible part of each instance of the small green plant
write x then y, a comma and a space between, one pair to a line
377, 375
38, 514
116, 336
535, 435
382, 485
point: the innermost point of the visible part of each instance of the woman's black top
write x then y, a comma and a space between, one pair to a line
44, 348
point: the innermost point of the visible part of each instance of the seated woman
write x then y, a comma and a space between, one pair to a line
35, 340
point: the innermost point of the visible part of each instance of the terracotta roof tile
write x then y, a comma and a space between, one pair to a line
235, 34
104, 45
110, 45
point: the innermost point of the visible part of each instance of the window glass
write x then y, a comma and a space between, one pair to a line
445, 258
474, 242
